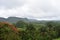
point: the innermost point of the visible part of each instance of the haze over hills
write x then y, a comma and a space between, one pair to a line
16, 19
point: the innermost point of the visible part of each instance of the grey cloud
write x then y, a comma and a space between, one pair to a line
38, 9
49, 8
11, 3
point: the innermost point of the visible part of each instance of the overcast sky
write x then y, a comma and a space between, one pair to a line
35, 9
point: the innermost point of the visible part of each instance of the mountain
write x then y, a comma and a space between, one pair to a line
2, 19
16, 19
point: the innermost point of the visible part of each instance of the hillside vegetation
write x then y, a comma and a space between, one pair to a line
23, 30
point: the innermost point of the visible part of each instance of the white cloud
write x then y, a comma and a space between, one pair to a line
37, 9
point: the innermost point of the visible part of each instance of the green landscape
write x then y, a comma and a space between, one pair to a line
29, 29
29, 19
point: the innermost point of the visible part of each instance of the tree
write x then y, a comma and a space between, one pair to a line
6, 32
21, 24
31, 31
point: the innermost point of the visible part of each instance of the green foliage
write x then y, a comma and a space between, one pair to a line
7, 34
21, 24
31, 31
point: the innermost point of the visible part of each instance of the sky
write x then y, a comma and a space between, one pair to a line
33, 9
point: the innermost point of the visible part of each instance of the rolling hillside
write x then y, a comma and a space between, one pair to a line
15, 19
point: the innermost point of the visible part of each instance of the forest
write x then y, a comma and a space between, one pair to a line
30, 31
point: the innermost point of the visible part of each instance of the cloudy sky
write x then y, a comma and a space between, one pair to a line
34, 9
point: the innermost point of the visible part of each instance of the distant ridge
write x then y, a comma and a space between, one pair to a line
16, 19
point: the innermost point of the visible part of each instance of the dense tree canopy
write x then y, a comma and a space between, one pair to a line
32, 31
